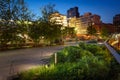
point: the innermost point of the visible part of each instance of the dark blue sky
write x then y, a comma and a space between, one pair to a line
105, 8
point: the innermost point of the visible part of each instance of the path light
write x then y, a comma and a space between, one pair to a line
55, 58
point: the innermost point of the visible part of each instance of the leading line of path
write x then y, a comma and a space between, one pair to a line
12, 62
113, 52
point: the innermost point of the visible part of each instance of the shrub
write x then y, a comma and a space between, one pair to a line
83, 62
69, 54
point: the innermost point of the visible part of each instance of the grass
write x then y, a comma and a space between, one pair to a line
83, 62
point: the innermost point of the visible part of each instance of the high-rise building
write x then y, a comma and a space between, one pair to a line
116, 23
73, 12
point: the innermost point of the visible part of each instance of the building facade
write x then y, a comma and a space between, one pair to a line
59, 19
80, 23
89, 19
110, 28
116, 23
73, 12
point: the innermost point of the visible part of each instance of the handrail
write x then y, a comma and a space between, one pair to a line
113, 52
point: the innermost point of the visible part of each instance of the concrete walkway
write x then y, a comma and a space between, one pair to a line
15, 61
113, 52
12, 62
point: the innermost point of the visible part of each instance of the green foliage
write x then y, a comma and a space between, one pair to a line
34, 32
104, 33
68, 31
52, 32
69, 54
91, 30
78, 63
86, 69
17, 25
93, 67
9, 33
12, 11
114, 73
47, 10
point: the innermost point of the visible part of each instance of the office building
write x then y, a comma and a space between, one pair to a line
73, 12
116, 23
59, 19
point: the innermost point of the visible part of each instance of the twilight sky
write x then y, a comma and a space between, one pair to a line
105, 8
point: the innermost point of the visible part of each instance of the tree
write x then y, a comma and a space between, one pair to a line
104, 32
68, 32
12, 11
25, 16
51, 31
46, 11
5, 10
8, 34
91, 30
35, 32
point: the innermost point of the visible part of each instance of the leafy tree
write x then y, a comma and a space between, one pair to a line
25, 16
51, 31
5, 10
47, 10
91, 30
69, 32
104, 32
8, 34
12, 11
35, 32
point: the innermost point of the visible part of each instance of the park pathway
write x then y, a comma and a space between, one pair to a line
15, 61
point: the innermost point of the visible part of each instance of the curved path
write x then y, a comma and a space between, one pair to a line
12, 62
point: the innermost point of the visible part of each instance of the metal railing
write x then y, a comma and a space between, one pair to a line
113, 46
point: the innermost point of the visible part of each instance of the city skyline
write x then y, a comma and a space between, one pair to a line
107, 9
